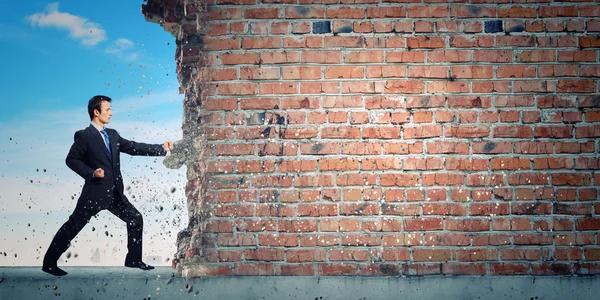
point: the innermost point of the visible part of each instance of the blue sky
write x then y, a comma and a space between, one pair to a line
57, 55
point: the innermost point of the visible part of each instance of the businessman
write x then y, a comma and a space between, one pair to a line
95, 156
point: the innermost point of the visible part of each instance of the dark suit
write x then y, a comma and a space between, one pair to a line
88, 153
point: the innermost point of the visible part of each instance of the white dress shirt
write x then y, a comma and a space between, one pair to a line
99, 129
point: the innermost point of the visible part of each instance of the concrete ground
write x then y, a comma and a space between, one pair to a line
123, 283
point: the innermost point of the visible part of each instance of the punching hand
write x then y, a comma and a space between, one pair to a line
168, 146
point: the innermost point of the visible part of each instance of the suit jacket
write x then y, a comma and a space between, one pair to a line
89, 152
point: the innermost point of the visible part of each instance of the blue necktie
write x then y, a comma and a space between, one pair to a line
107, 141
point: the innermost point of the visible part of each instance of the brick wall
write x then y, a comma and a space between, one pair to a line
335, 137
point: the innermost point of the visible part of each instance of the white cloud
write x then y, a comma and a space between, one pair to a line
123, 44
80, 28
123, 48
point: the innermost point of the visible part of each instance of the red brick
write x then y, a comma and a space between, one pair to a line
476, 254
423, 224
424, 131
360, 240
431, 11
498, 56
380, 269
445, 86
447, 147
425, 42
512, 131
405, 56
532, 239
576, 86
337, 269
447, 239
420, 255
520, 254
402, 240
295, 256
344, 41
399, 179
356, 179
462, 131
360, 148
486, 179
427, 72
238, 89
359, 209
509, 268
348, 254
463, 269
275, 210
399, 210
468, 72
385, 12
385, 71
476, 209
253, 269
381, 164
422, 269
344, 72
467, 225
295, 270
552, 269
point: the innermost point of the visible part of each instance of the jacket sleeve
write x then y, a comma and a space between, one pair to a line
140, 149
75, 157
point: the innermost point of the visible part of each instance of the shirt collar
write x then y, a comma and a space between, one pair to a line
97, 126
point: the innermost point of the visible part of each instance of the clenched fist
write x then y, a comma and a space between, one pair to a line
168, 146
99, 173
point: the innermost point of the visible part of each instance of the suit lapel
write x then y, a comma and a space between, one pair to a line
99, 140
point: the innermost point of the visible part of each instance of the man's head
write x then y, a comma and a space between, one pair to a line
99, 109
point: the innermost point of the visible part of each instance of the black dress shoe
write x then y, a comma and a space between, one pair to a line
140, 265
54, 270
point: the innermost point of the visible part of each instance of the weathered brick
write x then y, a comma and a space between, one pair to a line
439, 138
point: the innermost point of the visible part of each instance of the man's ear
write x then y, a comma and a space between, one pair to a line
96, 112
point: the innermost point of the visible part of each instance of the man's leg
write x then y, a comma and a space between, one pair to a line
61, 241
125, 211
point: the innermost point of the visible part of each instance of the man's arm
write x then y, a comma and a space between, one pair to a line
74, 159
134, 148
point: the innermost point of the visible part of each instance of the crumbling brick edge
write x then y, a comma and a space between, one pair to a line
183, 19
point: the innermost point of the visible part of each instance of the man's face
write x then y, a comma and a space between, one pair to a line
105, 112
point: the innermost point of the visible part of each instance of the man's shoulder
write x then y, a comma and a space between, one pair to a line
82, 133
110, 130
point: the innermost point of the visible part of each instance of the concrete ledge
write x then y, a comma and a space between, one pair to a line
162, 283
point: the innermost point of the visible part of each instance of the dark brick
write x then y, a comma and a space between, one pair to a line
493, 26
322, 27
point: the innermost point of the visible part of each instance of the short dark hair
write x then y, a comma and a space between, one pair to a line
95, 104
